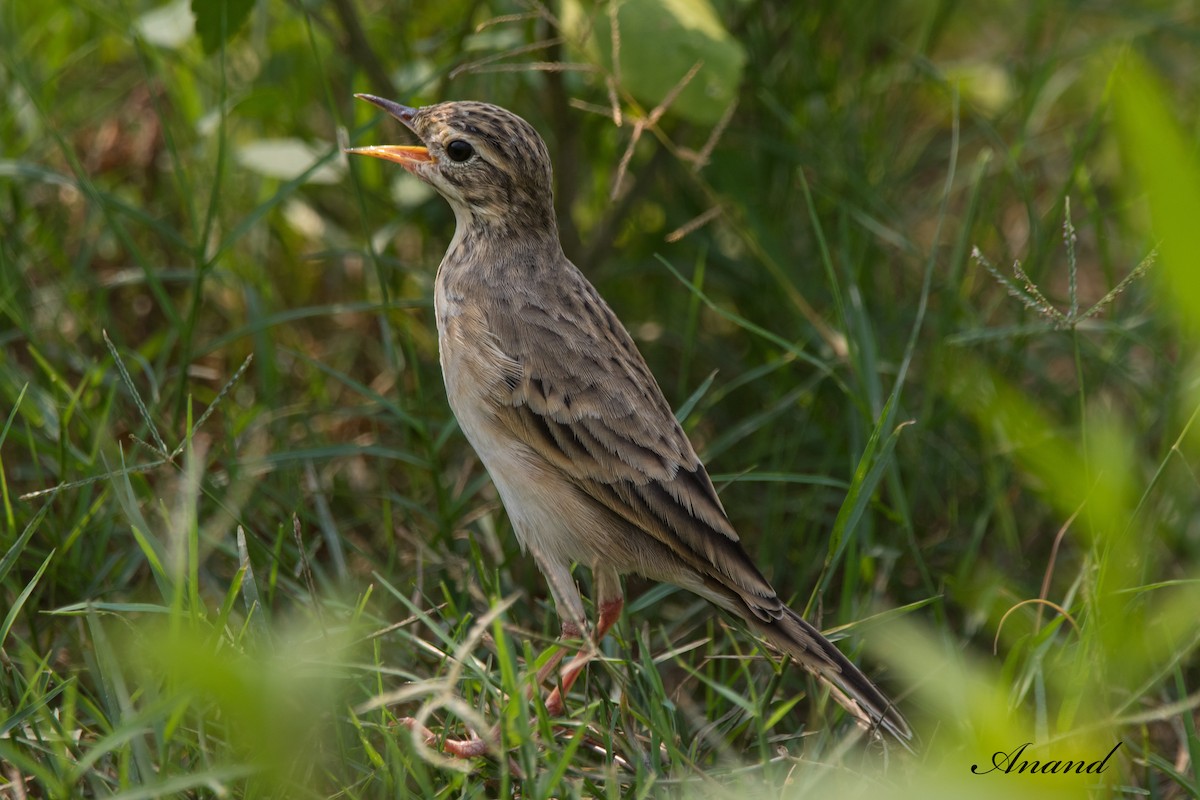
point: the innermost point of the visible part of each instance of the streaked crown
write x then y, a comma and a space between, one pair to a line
491, 165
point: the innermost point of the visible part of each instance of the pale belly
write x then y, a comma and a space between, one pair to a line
546, 512
551, 515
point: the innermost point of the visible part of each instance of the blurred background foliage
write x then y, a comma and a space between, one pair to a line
781, 201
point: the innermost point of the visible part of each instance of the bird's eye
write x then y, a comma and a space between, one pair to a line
459, 151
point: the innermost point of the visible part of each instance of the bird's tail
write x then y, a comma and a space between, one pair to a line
847, 684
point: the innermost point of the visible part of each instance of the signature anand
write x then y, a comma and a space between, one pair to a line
1009, 762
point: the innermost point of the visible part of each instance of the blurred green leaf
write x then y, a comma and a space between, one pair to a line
659, 42
218, 20
1043, 447
1165, 168
22, 597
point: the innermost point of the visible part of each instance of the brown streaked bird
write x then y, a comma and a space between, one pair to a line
551, 391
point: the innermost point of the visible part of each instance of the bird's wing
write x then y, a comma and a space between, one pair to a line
579, 394
576, 391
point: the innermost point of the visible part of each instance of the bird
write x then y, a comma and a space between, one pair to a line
548, 387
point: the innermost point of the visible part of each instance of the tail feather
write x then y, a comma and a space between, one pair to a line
847, 683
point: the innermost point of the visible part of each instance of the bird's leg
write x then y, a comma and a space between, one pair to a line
609, 602
459, 748
570, 610
569, 631
567, 604
609, 599
609, 613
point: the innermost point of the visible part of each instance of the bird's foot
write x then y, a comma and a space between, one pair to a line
459, 748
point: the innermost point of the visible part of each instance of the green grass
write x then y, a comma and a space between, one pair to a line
243, 537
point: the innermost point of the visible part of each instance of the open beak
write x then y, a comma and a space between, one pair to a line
405, 155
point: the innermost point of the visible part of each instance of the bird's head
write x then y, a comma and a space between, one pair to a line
491, 165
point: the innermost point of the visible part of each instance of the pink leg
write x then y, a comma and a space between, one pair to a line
569, 631
610, 602
610, 612
476, 746
459, 748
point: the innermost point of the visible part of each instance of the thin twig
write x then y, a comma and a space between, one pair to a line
693, 224
477, 66
614, 80
701, 158
650, 121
